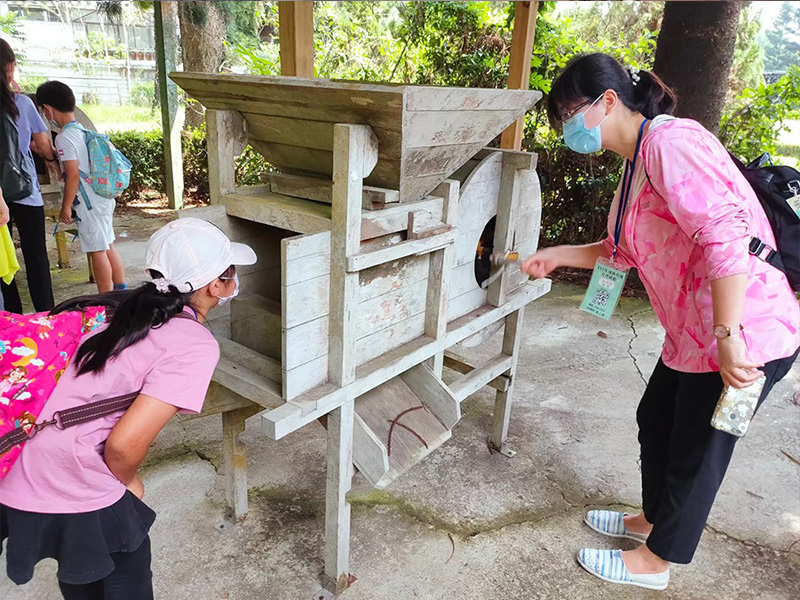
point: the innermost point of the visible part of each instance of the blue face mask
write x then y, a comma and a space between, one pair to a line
580, 138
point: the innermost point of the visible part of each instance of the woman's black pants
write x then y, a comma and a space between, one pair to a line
684, 459
29, 221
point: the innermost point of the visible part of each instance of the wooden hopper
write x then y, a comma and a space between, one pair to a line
424, 133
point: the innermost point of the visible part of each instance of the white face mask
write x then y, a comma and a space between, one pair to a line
226, 299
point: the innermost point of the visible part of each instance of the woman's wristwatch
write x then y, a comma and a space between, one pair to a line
723, 331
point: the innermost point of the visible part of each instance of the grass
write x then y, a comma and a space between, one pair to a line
108, 117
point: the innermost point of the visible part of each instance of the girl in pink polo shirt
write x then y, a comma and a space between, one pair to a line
75, 494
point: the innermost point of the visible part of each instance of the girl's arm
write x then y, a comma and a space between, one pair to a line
131, 437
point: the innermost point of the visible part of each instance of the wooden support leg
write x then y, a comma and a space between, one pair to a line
235, 459
502, 405
337, 509
62, 249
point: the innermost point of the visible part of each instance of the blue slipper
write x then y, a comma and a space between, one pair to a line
611, 523
609, 566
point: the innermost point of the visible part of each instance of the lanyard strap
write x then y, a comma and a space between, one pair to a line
627, 183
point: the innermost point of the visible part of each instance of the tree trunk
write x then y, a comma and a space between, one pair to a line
694, 56
203, 31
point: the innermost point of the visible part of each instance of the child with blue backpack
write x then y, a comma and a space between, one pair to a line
90, 165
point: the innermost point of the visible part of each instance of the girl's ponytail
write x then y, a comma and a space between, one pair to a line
132, 314
652, 96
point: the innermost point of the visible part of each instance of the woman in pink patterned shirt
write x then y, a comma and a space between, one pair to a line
729, 317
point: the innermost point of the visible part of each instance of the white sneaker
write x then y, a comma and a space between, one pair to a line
612, 524
609, 566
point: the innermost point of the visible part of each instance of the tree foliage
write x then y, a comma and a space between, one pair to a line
782, 43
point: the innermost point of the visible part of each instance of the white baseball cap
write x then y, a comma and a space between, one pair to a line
191, 253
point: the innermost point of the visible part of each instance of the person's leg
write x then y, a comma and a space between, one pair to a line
11, 299
33, 239
117, 267
101, 266
698, 459
654, 417
132, 578
86, 591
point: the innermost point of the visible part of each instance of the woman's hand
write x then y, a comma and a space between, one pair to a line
735, 369
542, 263
136, 486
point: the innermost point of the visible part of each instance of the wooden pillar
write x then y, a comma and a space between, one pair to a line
235, 460
355, 153
439, 271
225, 140
503, 399
296, 31
166, 32
514, 166
519, 68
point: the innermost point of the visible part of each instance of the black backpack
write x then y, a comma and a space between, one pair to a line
15, 181
774, 185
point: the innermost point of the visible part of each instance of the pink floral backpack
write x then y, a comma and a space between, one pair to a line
34, 352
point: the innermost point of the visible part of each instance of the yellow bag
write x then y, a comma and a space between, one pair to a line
9, 264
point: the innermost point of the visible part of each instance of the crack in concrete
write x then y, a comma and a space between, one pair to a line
190, 450
630, 344
751, 543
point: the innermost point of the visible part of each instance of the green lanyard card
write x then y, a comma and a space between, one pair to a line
605, 289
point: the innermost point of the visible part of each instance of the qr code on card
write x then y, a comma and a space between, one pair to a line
601, 297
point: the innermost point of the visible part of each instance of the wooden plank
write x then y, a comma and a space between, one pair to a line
489, 168
381, 406
321, 190
395, 218
465, 304
305, 377
299, 98
460, 365
422, 224
305, 245
479, 377
306, 301
225, 141
387, 277
503, 399
386, 310
415, 188
369, 452
337, 509
507, 210
462, 280
434, 394
284, 212
309, 407
519, 67
372, 346
250, 359
435, 128
422, 98
439, 274
365, 260
296, 21
353, 151
246, 383
312, 134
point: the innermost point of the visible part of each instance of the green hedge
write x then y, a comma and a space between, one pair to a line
145, 150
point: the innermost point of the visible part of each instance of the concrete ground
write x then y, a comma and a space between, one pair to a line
467, 523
